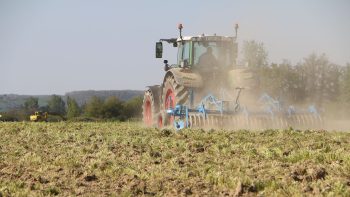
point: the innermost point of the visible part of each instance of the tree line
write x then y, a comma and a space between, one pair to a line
314, 80
94, 109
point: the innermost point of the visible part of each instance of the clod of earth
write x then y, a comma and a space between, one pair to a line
90, 178
42, 180
239, 189
318, 173
308, 188
311, 174
188, 191
166, 132
155, 154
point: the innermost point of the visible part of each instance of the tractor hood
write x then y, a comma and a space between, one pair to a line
186, 77
238, 77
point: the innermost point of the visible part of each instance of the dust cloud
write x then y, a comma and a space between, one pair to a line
252, 112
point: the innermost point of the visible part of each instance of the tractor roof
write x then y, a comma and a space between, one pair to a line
207, 38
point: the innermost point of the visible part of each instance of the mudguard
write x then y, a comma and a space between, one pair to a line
185, 77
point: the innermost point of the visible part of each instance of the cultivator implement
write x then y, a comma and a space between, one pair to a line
230, 115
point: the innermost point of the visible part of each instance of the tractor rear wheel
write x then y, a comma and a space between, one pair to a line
173, 94
150, 108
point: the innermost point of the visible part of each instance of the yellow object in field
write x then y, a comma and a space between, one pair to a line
38, 116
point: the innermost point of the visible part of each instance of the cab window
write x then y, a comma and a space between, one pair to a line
179, 54
184, 53
222, 52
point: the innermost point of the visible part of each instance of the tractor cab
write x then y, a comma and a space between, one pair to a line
206, 53
202, 53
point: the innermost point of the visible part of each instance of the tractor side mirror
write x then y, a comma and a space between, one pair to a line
159, 50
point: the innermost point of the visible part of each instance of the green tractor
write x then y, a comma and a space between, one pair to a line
203, 89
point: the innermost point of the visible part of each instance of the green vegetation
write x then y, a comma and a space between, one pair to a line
31, 104
125, 159
113, 109
56, 105
73, 109
9, 102
95, 109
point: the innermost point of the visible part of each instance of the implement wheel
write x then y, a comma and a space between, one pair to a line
173, 94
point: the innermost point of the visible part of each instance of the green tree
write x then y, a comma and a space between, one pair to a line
255, 58
133, 107
31, 104
254, 53
112, 108
321, 79
44, 108
93, 108
280, 81
56, 105
73, 109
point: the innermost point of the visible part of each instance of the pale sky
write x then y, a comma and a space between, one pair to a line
52, 47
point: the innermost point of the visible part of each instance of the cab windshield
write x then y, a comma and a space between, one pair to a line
221, 53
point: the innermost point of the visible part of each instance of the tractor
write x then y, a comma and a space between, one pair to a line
204, 87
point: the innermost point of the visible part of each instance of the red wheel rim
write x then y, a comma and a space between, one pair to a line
148, 113
170, 102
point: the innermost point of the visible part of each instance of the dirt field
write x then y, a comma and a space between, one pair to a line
124, 159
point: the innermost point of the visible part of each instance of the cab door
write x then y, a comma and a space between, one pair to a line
184, 55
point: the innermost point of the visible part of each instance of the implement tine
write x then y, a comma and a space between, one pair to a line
314, 121
214, 121
191, 121
266, 124
284, 122
307, 121
298, 120
199, 120
292, 121
195, 121
203, 121
233, 122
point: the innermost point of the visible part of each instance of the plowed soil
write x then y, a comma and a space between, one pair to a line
125, 159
